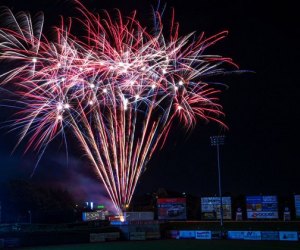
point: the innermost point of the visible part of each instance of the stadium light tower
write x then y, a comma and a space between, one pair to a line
218, 141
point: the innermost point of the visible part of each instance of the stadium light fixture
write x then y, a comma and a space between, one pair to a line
217, 141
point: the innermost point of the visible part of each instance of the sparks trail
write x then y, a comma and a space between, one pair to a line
118, 88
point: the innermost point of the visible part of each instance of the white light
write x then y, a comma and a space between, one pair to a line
153, 86
137, 97
131, 82
122, 219
125, 103
180, 83
91, 102
34, 60
101, 63
59, 64
59, 117
143, 68
63, 79
121, 64
92, 85
67, 106
81, 69
105, 90
111, 67
92, 205
59, 106
179, 107
176, 88
164, 71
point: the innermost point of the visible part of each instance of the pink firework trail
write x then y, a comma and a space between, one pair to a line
117, 89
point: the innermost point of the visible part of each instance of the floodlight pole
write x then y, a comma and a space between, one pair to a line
217, 141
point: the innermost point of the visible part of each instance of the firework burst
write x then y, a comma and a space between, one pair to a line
117, 89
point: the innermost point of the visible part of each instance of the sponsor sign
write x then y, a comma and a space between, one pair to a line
262, 207
173, 234
297, 206
100, 237
12, 243
244, 235
112, 236
211, 207
269, 235
118, 223
216, 235
239, 214
184, 234
137, 236
287, 216
143, 222
252, 235
235, 235
90, 216
288, 236
171, 209
139, 216
262, 215
203, 235
152, 235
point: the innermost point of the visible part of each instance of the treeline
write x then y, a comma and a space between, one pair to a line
27, 202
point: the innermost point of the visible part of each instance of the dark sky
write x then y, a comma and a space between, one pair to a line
261, 154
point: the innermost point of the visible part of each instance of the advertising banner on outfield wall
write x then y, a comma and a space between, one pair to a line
171, 208
288, 236
297, 206
244, 235
262, 207
185, 234
90, 216
211, 207
203, 235
269, 235
173, 234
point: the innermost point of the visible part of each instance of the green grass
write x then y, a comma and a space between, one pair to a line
179, 245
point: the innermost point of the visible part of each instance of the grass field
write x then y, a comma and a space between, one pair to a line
79, 233
179, 245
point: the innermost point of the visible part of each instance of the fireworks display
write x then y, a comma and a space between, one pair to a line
117, 87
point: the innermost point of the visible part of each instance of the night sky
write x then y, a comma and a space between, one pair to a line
261, 153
